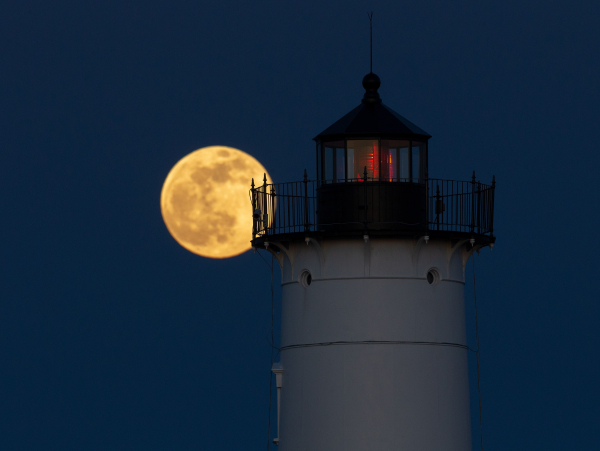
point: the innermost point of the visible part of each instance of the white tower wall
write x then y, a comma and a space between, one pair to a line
339, 393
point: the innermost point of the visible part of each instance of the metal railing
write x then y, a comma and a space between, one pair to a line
461, 206
450, 205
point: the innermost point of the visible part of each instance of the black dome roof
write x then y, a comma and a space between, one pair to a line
372, 118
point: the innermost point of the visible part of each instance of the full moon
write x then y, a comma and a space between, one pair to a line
205, 202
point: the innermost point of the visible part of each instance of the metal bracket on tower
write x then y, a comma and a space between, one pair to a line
277, 370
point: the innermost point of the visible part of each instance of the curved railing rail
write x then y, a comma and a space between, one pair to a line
450, 205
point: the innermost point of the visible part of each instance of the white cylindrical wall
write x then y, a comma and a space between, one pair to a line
353, 396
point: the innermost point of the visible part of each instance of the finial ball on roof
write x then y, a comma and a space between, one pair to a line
371, 83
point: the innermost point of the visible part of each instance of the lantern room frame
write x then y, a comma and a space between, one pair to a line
400, 150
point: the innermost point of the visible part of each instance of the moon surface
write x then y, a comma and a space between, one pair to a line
205, 202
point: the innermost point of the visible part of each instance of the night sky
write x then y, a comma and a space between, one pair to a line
113, 337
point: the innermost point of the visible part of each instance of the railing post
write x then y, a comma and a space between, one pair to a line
253, 191
438, 208
427, 203
305, 201
479, 207
491, 207
366, 203
473, 203
265, 218
273, 222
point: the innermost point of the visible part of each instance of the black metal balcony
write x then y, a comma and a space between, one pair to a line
394, 207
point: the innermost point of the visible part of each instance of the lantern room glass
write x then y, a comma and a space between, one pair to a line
333, 162
394, 160
386, 160
363, 153
418, 150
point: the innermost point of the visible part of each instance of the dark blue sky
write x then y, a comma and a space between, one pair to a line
113, 337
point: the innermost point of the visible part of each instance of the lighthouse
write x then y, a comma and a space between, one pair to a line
373, 352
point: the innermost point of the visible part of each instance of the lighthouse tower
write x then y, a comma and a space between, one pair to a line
373, 352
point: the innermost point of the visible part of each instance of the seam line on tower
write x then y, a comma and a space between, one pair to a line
374, 277
375, 342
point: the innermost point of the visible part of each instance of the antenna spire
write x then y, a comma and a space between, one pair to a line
371, 29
